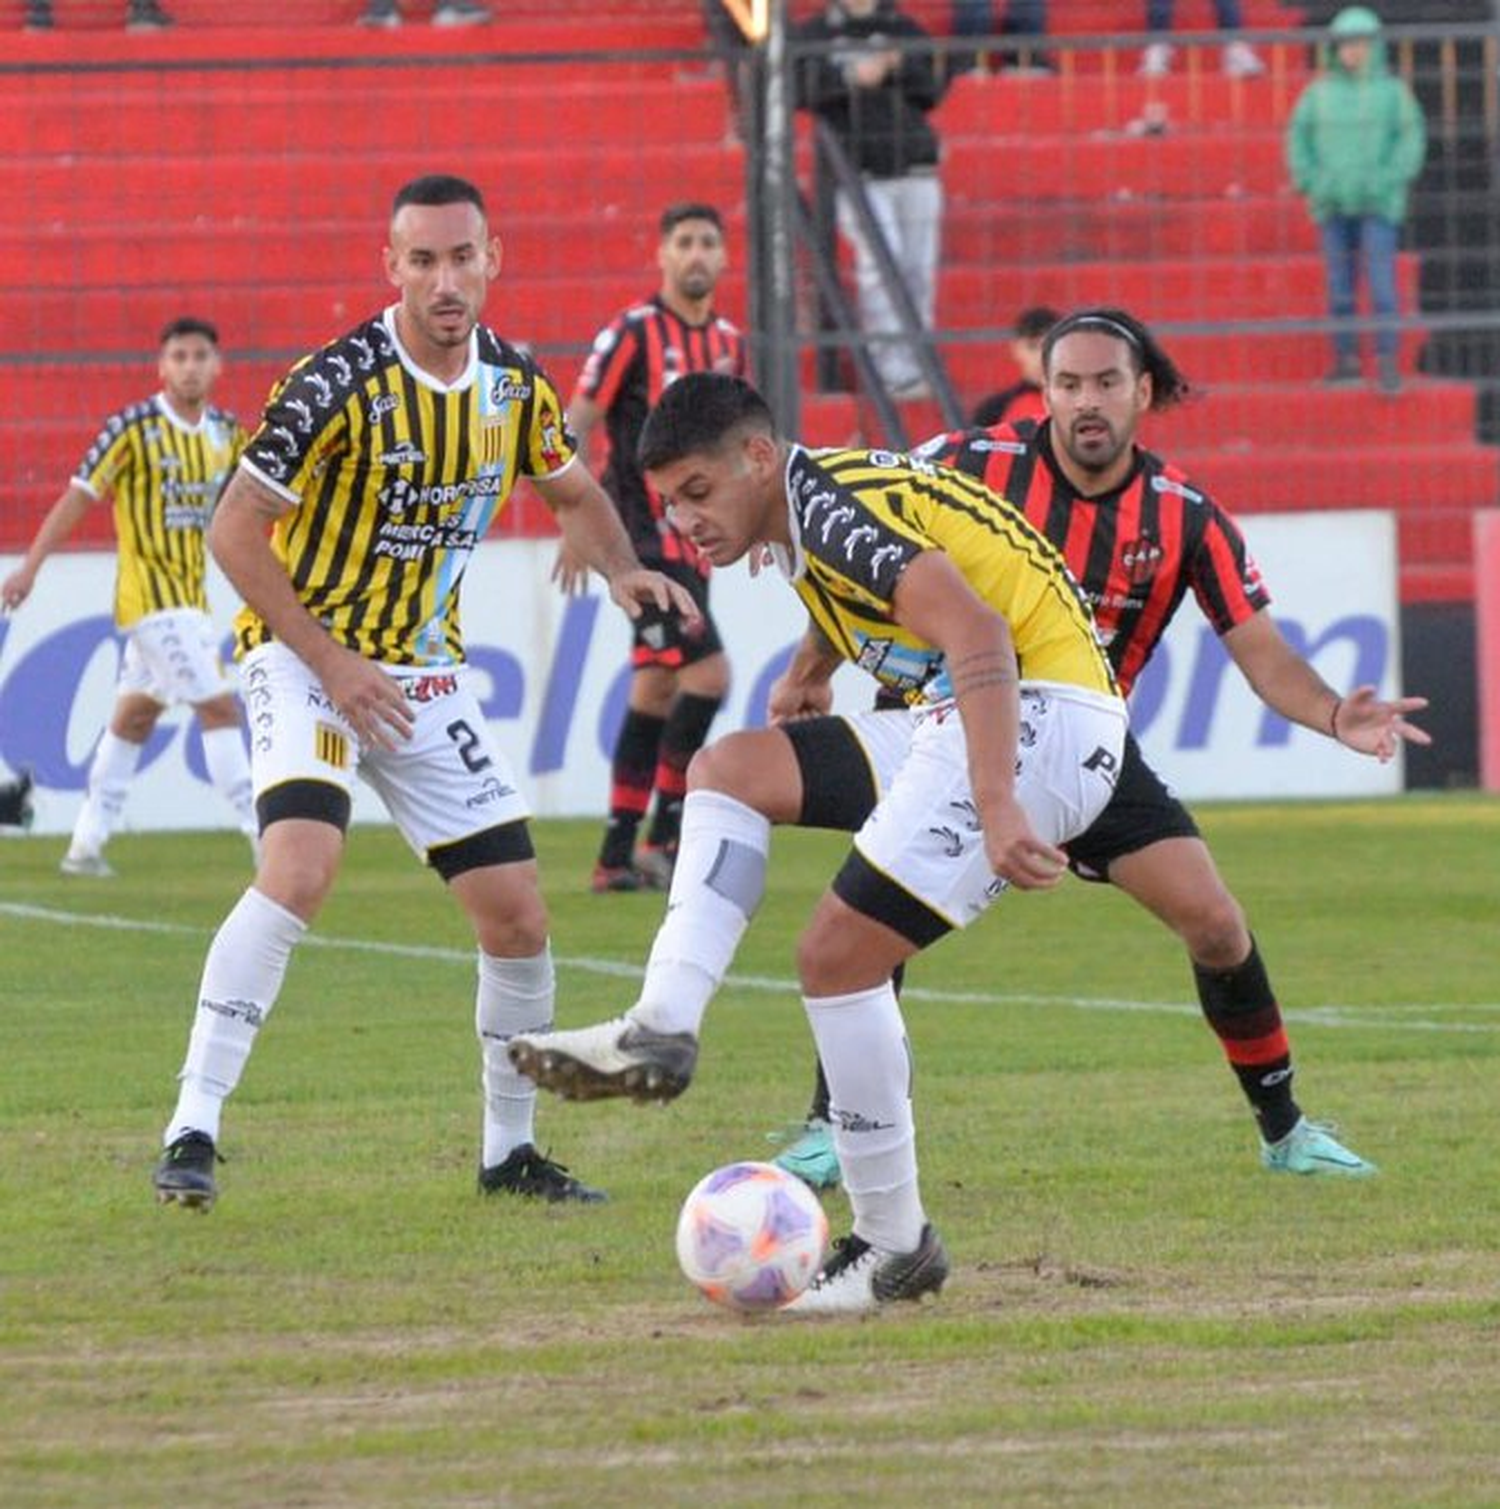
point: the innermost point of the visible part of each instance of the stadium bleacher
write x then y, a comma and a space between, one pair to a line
240, 164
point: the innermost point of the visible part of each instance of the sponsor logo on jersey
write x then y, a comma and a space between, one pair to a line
428, 688
493, 790
1178, 489
384, 403
404, 453
508, 389
402, 494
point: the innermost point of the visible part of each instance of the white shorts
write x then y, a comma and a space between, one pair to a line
172, 656
924, 834
446, 782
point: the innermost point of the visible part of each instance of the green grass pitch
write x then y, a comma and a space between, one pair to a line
1138, 1314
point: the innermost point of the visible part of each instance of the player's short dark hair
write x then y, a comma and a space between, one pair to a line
1168, 385
698, 413
437, 189
690, 209
1035, 321
189, 324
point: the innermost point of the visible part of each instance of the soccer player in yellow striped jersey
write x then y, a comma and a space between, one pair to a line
377, 468
942, 590
163, 463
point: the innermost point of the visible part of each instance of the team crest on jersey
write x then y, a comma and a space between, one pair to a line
1140, 558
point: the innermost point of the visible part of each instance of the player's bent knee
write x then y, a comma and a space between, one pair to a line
1215, 932
219, 712
728, 765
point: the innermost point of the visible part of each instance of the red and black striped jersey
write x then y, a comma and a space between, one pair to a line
1136, 550
636, 358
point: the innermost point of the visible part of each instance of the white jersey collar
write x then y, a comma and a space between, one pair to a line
464, 379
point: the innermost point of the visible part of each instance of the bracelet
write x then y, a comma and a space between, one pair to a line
1333, 720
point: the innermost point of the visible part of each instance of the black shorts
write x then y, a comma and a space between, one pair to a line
666, 640
1141, 812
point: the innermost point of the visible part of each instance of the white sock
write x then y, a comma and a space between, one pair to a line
716, 886
515, 995
241, 979
110, 772
229, 770
862, 1042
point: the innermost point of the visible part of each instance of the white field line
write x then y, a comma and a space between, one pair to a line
1317, 1016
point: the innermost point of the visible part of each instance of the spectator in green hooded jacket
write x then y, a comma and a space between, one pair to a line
1355, 142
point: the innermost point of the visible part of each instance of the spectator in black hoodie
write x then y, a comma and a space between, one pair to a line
875, 89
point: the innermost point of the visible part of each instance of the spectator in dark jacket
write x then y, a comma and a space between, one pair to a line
875, 89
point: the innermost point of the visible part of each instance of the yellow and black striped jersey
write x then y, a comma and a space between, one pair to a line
165, 476
859, 518
394, 478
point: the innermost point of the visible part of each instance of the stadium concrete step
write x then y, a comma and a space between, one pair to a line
1298, 359
540, 310
1091, 105
1191, 288
209, 251
92, 29
224, 113
1196, 165
251, 186
1133, 230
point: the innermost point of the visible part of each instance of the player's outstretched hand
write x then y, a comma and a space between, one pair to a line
15, 589
570, 571
1365, 723
639, 590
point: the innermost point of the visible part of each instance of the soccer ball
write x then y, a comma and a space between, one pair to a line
751, 1236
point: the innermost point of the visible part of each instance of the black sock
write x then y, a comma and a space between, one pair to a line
632, 771
685, 733
1241, 1008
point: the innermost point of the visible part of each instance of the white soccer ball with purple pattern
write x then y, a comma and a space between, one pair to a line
751, 1236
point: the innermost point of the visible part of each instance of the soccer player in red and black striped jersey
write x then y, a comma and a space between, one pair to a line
681, 674
1139, 536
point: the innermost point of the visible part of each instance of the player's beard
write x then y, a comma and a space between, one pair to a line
1094, 459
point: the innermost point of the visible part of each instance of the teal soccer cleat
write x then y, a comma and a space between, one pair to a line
1311, 1148
811, 1156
